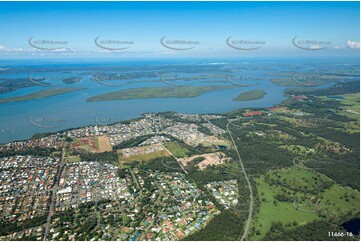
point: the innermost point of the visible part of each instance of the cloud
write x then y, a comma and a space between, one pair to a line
58, 50
37, 52
4, 49
19, 50
34, 50
65, 50
353, 44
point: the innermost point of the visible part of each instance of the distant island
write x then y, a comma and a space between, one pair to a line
289, 81
157, 92
12, 84
41, 94
71, 80
250, 95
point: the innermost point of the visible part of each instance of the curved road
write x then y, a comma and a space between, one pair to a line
250, 210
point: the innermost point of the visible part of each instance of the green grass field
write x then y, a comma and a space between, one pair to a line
280, 212
176, 149
344, 200
250, 95
353, 104
298, 149
157, 92
300, 179
72, 159
332, 202
353, 100
351, 109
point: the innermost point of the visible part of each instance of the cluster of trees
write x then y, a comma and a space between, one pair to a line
314, 231
284, 197
107, 156
201, 149
162, 164
314, 186
8, 228
211, 173
344, 171
257, 155
83, 222
132, 142
224, 172
85, 232
204, 130
122, 172
261, 153
37, 151
343, 168
225, 226
337, 89
193, 163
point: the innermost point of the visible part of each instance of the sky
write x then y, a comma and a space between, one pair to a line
135, 29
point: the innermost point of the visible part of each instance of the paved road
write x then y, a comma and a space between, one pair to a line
53, 196
250, 210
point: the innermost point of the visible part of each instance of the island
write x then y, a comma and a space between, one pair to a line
250, 95
289, 81
12, 84
41, 94
157, 92
71, 80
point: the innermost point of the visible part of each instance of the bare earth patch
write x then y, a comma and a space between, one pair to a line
215, 158
104, 144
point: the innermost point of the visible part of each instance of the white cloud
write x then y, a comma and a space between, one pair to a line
67, 50
35, 51
19, 50
353, 44
3, 48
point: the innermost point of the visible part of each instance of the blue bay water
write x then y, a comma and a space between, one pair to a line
72, 110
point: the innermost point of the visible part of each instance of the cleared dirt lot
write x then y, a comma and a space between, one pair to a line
104, 144
215, 158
